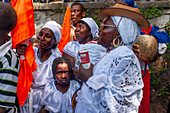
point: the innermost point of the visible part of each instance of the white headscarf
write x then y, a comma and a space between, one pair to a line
93, 26
128, 30
55, 27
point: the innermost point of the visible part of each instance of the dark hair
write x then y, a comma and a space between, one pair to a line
62, 60
88, 27
8, 17
77, 3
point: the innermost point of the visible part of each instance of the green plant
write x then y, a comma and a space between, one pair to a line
87, 11
153, 80
96, 19
167, 28
151, 12
165, 90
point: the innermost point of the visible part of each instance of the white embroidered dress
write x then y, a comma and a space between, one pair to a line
116, 84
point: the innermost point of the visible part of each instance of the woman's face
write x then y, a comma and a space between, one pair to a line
106, 32
62, 74
82, 33
46, 39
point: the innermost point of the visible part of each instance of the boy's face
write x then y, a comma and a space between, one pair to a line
76, 14
62, 74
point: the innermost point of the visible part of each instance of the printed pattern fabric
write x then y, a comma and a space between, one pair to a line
9, 69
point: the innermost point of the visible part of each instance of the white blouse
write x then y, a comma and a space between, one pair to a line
43, 73
116, 84
41, 76
57, 102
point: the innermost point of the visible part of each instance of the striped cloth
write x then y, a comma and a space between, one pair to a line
9, 68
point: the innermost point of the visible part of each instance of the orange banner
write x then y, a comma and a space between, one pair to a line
24, 29
66, 28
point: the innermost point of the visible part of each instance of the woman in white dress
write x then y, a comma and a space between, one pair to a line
115, 85
48, 38
86, 31
58, 93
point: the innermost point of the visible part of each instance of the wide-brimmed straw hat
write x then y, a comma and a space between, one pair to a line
125, 11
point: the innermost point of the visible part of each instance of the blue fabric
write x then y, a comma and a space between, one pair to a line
131, 3
161, 36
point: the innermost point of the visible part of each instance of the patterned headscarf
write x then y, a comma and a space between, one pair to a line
128, 30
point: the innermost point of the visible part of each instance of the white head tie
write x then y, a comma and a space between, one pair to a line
55, 28
93, 26
128, 30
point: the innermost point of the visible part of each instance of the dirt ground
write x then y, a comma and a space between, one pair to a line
160, 92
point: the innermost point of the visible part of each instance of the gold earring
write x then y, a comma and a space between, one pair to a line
116, 42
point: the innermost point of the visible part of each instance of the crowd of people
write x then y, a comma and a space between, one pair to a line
112, 83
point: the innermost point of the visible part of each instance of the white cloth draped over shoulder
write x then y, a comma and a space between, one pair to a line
72, 48
57, 102
95, 51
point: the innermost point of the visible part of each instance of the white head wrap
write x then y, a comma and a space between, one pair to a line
128, 30
55, 28
93, 26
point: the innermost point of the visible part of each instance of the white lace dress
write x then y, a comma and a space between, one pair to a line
41, 76
57, 102
116, 85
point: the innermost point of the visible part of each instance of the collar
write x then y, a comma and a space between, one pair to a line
5, 48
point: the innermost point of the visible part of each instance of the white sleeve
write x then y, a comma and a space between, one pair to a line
124, 91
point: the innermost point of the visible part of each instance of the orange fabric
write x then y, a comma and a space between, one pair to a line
65, 33
24, 30
25, 77
25, 21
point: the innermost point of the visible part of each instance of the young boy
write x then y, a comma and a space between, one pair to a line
9, 63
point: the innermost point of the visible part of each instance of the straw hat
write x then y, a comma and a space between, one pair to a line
125, 11
148, 47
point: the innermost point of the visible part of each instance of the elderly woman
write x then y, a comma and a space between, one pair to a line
48, 38
116, 82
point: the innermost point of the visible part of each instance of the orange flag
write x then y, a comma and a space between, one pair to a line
65, 33
24, 30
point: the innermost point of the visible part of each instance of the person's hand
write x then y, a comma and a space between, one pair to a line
85, 74
20, 49
136, 49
